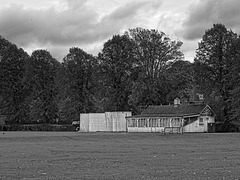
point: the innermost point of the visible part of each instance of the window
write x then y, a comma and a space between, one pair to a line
132, 122
164, 122
201, 121
150, 122
176, 122
200, 96
142, 123
153, 122
161, 122
158, 122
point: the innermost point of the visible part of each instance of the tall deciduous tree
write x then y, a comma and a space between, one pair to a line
181, 77
12, 94
117, 67
213, 67
80, 70
154, 50
40, 83
234, 80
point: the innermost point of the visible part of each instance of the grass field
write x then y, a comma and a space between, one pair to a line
72, 155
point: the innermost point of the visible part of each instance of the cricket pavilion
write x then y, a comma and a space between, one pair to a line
176, 118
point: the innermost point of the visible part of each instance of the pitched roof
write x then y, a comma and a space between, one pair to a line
170, 110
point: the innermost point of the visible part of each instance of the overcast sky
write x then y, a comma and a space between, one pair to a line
57, 25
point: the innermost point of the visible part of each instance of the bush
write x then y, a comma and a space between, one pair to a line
228, 127
37, 127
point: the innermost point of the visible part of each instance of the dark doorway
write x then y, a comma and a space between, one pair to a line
211, 127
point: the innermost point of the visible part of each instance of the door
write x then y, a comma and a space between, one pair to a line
211, 127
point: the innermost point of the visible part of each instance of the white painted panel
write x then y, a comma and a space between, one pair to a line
132, 129
193, 127
108, 118
114, 116
92, 123
84, 123
102, 122
121, 124
116, 121
96, 122
144, 129
109, 121
153, 129
159, 129
120, 119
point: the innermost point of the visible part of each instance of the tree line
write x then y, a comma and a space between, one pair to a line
139, 68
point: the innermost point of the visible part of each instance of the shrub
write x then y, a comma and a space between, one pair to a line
37, 127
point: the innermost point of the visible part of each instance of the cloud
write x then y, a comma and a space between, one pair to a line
171, 23
126, 11
45, 26
204, 13
128, 16
69, 23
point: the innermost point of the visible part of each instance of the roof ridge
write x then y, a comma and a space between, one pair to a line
183, 109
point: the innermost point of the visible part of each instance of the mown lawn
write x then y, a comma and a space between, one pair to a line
73, 155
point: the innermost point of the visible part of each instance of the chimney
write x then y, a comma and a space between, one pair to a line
200, 96
176, 102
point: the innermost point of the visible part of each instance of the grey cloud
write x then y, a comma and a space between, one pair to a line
125, 15
77, 25
131, 8
126, 11
76, 5
45, 26
128, 15
205, 13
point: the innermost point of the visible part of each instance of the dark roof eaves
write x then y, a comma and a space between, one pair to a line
162, 115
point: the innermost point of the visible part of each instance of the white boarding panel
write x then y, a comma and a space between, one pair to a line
101, 121
95, 120
114, 121
84, 123
109, 124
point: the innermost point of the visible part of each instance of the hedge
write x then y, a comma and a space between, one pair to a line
37, 127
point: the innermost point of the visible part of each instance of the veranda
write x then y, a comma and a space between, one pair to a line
154, 124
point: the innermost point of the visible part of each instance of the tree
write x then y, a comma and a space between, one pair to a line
12, 93
80, 70
4, 44
116, 69
40, 83
233, 80
181, 78
212, 67
154, 50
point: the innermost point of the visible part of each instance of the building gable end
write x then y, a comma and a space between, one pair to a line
207, 111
